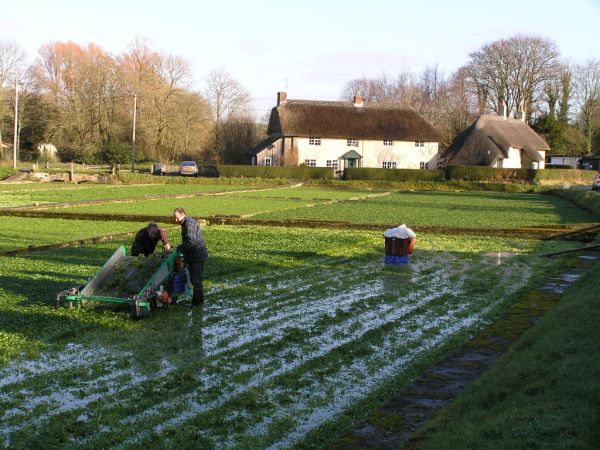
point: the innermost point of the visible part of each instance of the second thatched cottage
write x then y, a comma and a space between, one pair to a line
498, 141
346, 134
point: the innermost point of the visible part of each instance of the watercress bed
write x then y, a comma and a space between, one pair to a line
301, 329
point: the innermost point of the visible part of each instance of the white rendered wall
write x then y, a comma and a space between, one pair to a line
374, 153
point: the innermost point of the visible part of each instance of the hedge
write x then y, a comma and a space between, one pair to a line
300, 172
548, 176
371, 173
481, 173
545, 176
465, 174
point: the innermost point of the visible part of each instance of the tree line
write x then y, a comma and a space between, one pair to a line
82, 99
519, 75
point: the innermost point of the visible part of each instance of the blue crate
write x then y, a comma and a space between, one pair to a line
180, 283
396, 260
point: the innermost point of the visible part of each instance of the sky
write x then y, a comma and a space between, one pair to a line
308, 48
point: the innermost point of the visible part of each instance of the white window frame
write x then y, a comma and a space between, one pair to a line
422, 165
388, 143
351, 142
310, 162
268, 161
314, 141
419, 143
389, 165
333, 164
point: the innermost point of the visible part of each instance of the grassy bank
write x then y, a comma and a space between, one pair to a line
543, 393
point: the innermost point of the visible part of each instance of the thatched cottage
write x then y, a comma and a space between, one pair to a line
346, 134
497, 141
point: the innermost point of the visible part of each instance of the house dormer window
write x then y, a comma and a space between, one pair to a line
419, 143
352, 142
314, 141
388, 143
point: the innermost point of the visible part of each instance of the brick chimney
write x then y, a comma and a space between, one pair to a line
358, 101
281, 96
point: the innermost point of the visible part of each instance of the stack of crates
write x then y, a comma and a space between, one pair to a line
397, 250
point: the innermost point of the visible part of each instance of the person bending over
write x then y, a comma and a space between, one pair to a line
146, 239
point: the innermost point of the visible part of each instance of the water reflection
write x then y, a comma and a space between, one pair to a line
396, 278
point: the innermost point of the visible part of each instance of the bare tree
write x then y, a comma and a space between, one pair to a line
403, 90
225, 95
457, 105
514, 71
12, 59
449, 105
239, 134
587, 98
431, 82
83, 85
227, 98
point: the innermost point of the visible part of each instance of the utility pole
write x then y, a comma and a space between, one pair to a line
16, 135
133, 137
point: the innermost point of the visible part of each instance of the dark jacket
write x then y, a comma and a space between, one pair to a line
192, 245
144, 243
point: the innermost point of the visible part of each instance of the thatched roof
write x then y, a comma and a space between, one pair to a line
342, 120
489, 138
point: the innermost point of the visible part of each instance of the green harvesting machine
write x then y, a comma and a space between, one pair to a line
143, 283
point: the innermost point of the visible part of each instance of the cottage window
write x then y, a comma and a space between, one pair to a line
310, 162
268, 162
314, 141
352, 142
333, 163
389, 165
422, 165
388, 143
419, 143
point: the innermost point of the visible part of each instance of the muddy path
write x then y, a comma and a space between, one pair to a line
392, 425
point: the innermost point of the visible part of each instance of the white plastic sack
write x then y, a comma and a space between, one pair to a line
400, 232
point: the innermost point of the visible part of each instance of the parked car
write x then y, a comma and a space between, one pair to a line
188, 168
596, 183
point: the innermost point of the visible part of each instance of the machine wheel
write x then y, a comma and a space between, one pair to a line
138, 311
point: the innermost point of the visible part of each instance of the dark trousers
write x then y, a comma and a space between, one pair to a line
196, 276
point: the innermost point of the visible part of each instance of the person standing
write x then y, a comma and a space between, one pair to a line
193, 249
146, 239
